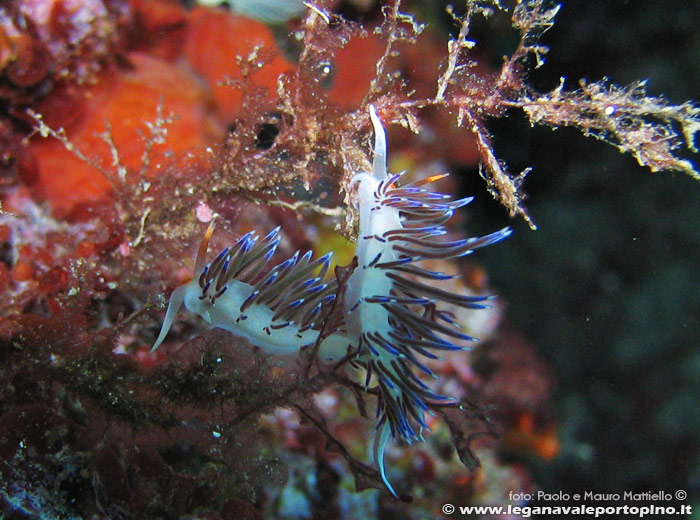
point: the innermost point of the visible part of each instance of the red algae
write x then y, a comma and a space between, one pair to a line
159, 27
124, 100
58, 39
220, 45
354, 68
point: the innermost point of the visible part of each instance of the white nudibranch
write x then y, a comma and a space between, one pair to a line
277, 311
392, 308
392, 312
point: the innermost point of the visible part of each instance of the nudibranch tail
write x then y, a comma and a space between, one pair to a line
380, 440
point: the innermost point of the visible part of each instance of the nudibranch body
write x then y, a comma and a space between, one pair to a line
277, 311
391, 313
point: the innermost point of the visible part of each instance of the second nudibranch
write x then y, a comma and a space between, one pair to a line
391, 306
277, 311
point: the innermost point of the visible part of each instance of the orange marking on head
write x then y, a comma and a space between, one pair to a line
437, 177
432, 178
203, 246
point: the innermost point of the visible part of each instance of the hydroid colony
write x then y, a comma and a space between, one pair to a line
392, 313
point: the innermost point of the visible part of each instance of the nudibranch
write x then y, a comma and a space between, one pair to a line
392, 310
391, 305
277, 310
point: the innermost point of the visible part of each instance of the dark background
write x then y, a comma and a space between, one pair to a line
608, 288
